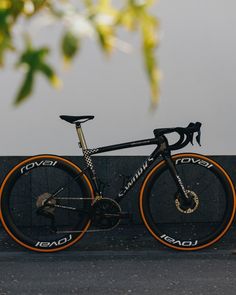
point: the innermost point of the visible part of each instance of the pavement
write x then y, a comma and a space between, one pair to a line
124, 261
123, 238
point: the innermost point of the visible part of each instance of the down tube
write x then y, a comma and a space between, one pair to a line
139, 172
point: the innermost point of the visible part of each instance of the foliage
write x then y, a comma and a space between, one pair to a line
98, 20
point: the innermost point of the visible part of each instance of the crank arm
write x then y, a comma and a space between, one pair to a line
120, 215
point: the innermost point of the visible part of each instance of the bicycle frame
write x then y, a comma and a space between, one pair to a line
160, 150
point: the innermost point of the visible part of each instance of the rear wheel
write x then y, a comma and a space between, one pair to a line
24, 193
209, 213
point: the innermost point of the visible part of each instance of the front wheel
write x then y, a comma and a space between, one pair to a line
45, 202
208, 216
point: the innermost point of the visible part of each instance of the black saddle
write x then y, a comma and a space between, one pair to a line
76, 119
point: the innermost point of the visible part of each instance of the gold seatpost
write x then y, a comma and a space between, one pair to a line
81, 137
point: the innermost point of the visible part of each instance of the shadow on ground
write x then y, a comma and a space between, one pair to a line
123, 238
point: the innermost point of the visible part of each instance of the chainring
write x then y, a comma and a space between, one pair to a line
106, 213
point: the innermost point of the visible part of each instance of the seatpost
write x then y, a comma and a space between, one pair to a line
82, 140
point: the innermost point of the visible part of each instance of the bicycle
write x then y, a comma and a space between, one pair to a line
48, 203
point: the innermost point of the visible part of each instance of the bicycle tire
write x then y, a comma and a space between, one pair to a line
24, 188
207, 223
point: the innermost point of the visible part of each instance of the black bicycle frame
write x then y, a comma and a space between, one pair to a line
161, 149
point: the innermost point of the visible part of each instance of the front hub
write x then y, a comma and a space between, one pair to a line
187, 207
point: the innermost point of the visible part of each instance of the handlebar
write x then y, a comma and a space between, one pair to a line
186, 135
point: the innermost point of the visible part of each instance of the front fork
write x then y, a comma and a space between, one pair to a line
180, 186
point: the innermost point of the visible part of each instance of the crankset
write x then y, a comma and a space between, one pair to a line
106, 214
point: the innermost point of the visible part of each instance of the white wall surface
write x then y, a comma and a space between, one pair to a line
197, 59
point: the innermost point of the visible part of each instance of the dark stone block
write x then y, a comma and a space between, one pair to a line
109, 170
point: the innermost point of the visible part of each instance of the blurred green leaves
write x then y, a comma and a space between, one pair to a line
69, 46
34, 62
135, 16
98, 20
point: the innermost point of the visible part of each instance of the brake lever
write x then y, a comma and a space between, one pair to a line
191, 135
198, 137
191, 138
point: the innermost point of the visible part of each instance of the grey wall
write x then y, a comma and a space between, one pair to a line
197, 59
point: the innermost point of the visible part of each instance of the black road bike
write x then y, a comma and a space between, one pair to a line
186, 201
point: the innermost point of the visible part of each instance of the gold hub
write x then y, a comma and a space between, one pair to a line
41, 201
194, 204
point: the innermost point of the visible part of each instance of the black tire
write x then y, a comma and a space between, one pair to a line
24, 189
207, 223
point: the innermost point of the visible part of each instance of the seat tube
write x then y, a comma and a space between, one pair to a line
87, 157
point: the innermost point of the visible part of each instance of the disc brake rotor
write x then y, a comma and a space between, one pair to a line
194, 203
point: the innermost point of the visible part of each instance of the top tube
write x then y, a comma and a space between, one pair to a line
131, 144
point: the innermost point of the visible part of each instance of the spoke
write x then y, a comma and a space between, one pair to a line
73, 198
